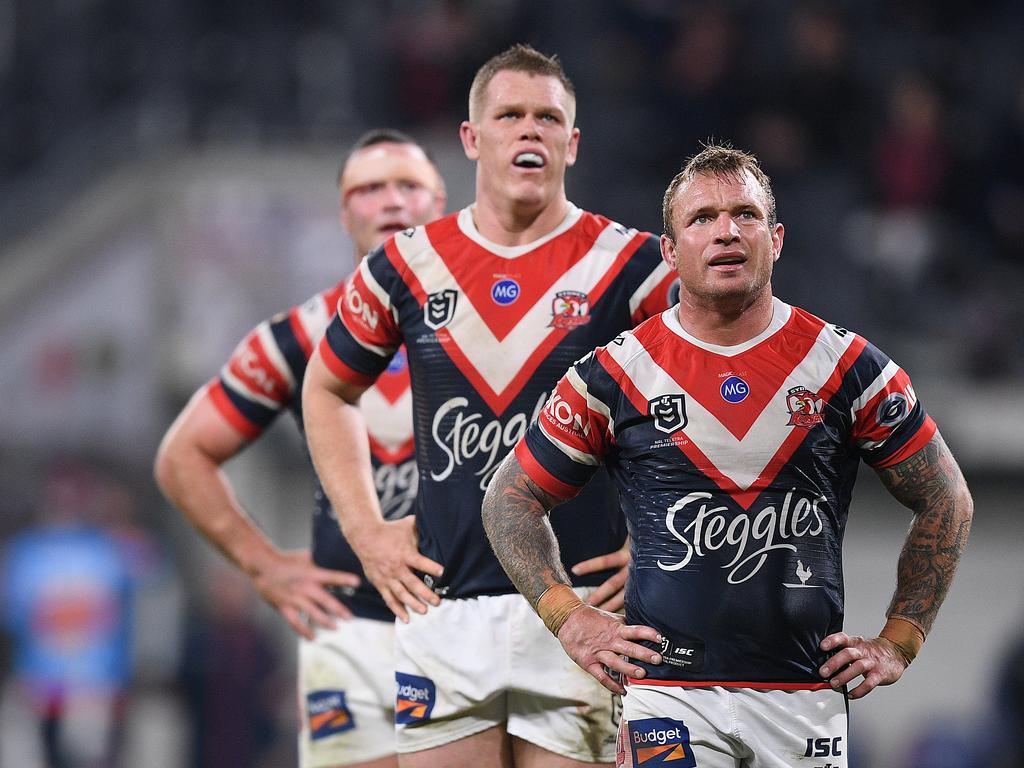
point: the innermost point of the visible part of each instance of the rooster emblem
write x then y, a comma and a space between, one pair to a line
802, 572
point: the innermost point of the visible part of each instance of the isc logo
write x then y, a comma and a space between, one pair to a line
734, 390
504, 292
824, 747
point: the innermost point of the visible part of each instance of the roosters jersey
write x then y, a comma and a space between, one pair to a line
264, 377
488, 330
735, 466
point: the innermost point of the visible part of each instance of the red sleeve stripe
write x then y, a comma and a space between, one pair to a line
340, 369
540, 475
295, 321
920, 439
221, 401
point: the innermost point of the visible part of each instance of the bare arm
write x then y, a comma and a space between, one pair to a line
931, 485
339, 445
188, 471
516, 521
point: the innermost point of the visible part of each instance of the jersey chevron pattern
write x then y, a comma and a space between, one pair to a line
264, 377
735, 467
489, 330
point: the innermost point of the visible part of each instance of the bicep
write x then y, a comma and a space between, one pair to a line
201, 428
927, 478
321, 380
511, 490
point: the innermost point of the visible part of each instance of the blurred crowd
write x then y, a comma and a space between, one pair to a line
894, 134
894, 131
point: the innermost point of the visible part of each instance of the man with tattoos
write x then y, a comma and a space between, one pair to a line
732, 425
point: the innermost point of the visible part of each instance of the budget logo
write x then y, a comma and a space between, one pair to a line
416, 696
440, 308
505, 292
734, 390
660, 741
327, 714
668, 412
804, 408
570, 309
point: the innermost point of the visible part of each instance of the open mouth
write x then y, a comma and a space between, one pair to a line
728, 260
392, 227
528, 160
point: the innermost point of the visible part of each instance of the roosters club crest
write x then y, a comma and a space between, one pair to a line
569, 309
804, 408
440, 308
668, 412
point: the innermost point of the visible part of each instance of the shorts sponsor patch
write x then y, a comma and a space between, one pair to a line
660, 741
327, 714
416, 697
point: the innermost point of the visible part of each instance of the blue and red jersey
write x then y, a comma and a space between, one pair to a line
488, 330
735, 468
264, 377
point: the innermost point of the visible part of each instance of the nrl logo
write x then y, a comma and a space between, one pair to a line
668, 412
440, 308
804, 408
569, 309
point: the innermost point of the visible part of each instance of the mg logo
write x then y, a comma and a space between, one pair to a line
734, 390
505, 292
440, 308
668, 412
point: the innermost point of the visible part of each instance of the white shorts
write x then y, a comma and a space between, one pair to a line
468, 665
347, 694
732, 727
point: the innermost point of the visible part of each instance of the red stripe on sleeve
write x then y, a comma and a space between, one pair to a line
656, 301
920, 439
221, 401
540, 475
300, 333
340, 369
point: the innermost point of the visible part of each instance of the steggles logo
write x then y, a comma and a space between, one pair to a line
766, 531
463, 435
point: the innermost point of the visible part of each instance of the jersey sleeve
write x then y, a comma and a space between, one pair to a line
659, 285
568, 441
264, 374
889, 422
364, 333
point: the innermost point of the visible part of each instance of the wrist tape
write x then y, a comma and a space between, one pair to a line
905, 635
556, 605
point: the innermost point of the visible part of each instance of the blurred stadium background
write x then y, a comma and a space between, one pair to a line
167, 180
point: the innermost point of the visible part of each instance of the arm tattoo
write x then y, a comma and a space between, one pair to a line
515, 518
929, 483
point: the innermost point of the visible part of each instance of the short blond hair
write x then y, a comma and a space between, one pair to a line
518, 58
718, 160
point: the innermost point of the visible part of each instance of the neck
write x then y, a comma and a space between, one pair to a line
511, 223
725, 322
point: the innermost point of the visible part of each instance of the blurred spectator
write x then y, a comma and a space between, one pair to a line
67, 590
232, 678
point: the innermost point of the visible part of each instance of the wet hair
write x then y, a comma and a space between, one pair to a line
384, 136
723, 161
518, 58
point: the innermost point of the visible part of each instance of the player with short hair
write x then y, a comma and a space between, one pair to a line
733, 426
491, 303
387, 183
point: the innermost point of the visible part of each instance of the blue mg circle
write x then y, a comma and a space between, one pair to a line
734, 390
504, 292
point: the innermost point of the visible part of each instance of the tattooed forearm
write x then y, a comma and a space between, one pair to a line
931, 484
515, 518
